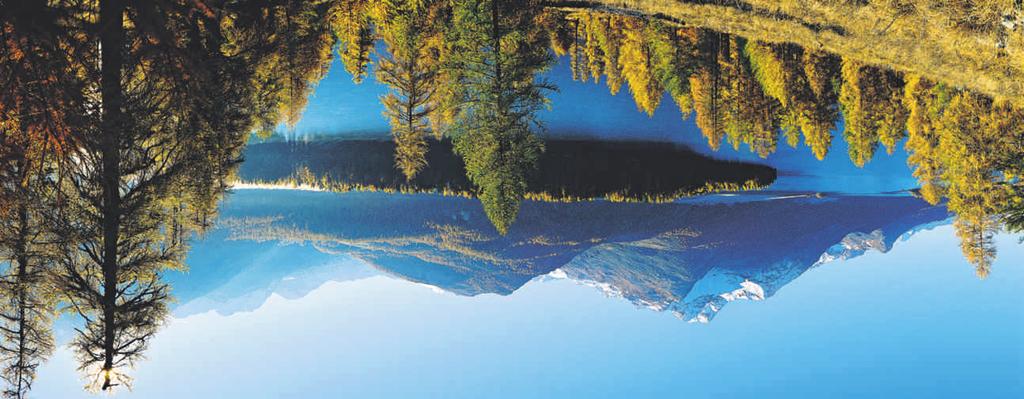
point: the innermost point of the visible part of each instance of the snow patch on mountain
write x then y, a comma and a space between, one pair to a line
558, 274
854, 245
748, 290
720, 286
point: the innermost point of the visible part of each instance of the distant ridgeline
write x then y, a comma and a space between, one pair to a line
568, 170
688, 258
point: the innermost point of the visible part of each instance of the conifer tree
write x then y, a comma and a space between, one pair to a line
638, 65
354, 29
752, 116
707, 87
159, 143
410, 74
27, 300
925, 102
871, 101
499, 54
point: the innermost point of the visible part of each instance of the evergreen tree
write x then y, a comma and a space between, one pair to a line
638, 65
871, 101
353, 28
406, 69
499, 53
752, 117
707, 87
925, 102
159, 143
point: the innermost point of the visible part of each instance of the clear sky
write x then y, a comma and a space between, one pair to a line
914, 322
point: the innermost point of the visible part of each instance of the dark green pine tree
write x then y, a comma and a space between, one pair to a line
409, 70
500, 50
27, 300
177, 101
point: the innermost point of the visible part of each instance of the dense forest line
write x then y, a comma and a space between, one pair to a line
110, 161
978, 44
567, 170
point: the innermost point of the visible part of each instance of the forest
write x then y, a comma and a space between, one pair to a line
567, 170
111, 161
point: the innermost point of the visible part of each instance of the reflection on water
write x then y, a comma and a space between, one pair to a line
112, 162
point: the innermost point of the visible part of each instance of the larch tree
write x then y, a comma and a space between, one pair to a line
969, 142
406, 69
577, 57
297, 40
751, 115
772, 66
707, 87
675, 55
27, 299
592, 48
608, 32
1009, 119
500, 51
559, 29
305, 54
925, 101
447, 99
162, 134
860, 131
354, 29
819, 119
872, 106
637, 63
39, 45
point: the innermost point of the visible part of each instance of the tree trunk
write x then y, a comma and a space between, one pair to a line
112, 40
22, 286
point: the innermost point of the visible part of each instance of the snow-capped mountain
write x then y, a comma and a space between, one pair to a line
690, 258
